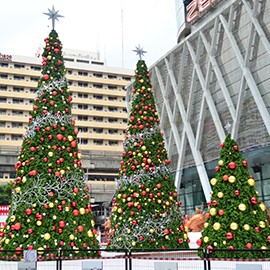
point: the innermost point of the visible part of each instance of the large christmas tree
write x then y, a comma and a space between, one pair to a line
236, 218
146, 213
50, 206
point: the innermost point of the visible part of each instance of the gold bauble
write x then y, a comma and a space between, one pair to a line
7, 241
17, 189
70, 138
215, 244
262, 206
151, 231
50, 154
213, 181
246, 227
220, 194
90, 234
251, 182
224, 242
234, 226
39, 223
133, 243
66, 208
220, 162
79, 156
71, 237
205, 239
24, 179
143, 147
242, 207
12, 218
216, 226
262, 224
51, 204
206, 224
82, 211
47, 236
213, 211
40, 250
62, 172
232, 179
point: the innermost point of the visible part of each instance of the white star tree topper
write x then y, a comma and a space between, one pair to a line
53, 15
139, 51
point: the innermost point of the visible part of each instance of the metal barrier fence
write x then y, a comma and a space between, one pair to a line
137, 259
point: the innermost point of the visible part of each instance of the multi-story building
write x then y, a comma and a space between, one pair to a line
99, 111
218, 73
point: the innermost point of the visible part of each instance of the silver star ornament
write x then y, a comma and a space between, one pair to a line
53, 15
139, 51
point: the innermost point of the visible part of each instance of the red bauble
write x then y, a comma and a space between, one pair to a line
221, 212
214, 202
244, 162
232, 165
28, 211
225, 177
229, 235
30, 231
198, 242
18, 250
221, 145
159, 186
249, 245
217, 168
61, 223
257, 229
75, 212
254, 200
75, 190
59, 137
237, 192
268, 238
235, 148
46, 77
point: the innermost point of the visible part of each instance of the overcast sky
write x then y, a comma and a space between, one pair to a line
91, 25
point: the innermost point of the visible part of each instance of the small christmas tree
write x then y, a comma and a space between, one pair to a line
236, 219
50, 206
146, 213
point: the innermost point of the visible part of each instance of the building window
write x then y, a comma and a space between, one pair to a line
112, 87
33, 79
18, 89
3, 76
113, 120
112, 98
124, 109
2, 136
82, 106
17, 125
99, 97
81, 73
98, 142
124, 120
112, 109
33, 91
98, 130
2, 112
17, 101
16, 137
83, 129
126, 78
19, 66
111, 143
17, 113
81, 95
112, 77
2, 124
83, 141
3, 87
4, 64
98, 119
3, 100
82, 118
98, 108
99, 86
98, 75
35, 68
113, 131
18, 78
82, 84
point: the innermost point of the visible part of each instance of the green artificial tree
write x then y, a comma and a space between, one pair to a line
146, 213
50, 206
236, 218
